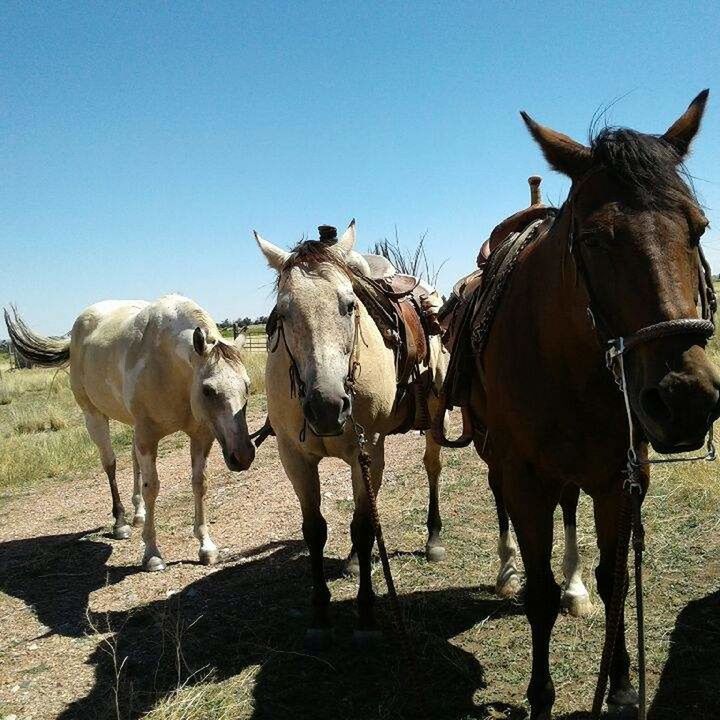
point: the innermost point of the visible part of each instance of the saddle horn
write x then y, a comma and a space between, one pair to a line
535, 195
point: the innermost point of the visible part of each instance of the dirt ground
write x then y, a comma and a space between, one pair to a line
84, 633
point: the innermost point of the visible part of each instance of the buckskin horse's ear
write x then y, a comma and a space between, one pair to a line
562, 152
242, 336
683, 130
275, 256
346, 243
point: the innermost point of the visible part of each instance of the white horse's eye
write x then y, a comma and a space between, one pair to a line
351, 307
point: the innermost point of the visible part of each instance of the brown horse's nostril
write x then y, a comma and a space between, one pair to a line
654, 405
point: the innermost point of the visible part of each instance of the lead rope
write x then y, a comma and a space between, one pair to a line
365, 461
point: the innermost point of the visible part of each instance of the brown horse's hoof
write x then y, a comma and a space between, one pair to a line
435, 553
577, 605
623, 702
121, 532
367, 639
208, 557
318, 639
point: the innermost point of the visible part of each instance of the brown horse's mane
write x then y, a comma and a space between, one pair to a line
646, 167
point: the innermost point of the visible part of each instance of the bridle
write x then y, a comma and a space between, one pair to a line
618, 346
298, 387
630, 518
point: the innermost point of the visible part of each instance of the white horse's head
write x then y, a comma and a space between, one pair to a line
317, 307
219, 395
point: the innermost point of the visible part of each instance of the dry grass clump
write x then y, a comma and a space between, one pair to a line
255, 366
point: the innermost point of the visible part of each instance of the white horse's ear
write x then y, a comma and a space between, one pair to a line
199, 341
240, 339
275, 256
346, 243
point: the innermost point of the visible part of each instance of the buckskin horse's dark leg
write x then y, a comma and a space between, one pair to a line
434, 549
303, 474
607, 512
509, 580
363, 538
531, 511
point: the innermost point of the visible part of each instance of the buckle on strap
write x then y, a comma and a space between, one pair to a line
616, 348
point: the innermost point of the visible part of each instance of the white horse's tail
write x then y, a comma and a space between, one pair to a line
36, 349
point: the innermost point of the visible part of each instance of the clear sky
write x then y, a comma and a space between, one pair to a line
143, 141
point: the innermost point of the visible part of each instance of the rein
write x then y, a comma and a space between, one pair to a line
630, 520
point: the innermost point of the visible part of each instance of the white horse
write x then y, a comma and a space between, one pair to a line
323, 330
159, 367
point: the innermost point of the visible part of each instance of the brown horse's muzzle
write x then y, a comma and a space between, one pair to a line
678, 401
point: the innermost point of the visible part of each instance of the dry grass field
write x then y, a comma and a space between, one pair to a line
85, 634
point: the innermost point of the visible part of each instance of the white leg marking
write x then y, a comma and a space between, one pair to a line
509, 579
137, 498
152, 558
576, 599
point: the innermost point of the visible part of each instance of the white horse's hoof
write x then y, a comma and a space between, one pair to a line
435, 553
208, 557
138, 521
509, 587
121, 532
367, 639
577, 605
154, 564
318, 639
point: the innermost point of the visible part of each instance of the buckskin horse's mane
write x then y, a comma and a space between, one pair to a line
308, 254
646, 167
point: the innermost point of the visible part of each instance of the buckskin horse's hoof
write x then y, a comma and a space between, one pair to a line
623, 702
318, 639
435, 553
367, 639
121, 532
208, 557
352, 566
154, 564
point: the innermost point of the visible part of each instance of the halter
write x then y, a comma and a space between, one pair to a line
298, 387
618, 346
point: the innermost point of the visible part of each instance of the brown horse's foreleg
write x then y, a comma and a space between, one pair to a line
302, 470
509, 579
432, 459
363, 537
99, 432
607, 513
531, 512
575, 598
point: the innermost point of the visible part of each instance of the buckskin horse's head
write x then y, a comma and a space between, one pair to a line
316, 314
634, 230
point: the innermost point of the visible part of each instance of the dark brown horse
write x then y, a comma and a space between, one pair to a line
622, 255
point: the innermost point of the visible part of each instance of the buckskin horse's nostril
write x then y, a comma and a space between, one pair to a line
346, 405
653, 405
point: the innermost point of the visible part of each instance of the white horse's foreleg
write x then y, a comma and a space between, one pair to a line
137, 498
99, 432
575, 598
146, 450
432, 459
199, 449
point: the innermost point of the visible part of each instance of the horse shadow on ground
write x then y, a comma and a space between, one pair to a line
690, 681
249, 615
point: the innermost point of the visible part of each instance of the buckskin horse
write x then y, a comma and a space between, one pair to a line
618, 269
348, 350
159, 367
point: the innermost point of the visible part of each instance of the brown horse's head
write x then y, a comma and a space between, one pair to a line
636, 226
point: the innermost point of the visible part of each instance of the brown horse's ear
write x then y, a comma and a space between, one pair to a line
562, 152
683, 130
199, 341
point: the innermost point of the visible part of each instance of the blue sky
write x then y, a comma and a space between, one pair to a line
142, 142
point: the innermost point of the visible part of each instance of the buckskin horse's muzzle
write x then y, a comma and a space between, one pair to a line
327, 413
